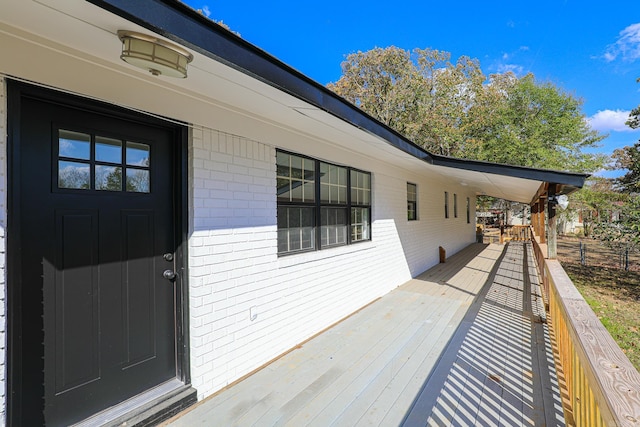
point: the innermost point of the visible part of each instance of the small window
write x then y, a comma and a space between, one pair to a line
412, 202
468, 211
446, 204
455, 205
360, 206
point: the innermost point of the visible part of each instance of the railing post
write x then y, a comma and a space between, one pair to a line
551, 226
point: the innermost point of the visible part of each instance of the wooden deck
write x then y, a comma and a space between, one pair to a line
465, 343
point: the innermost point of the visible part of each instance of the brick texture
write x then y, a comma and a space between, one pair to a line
247, 305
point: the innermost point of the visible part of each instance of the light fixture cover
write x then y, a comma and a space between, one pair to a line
563, 201
154, 55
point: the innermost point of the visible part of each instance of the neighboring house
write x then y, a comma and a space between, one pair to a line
163, 237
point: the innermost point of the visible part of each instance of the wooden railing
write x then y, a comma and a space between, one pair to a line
602, 386
515, 232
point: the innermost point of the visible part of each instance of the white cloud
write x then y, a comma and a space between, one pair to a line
514, 68
627, 47
206, 11
610, 120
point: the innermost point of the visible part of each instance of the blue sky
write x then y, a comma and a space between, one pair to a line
590, 49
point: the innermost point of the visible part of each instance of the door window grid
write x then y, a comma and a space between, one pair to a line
93, 162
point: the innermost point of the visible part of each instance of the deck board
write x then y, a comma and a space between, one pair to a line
457, 345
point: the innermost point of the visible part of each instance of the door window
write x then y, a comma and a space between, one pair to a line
94, 162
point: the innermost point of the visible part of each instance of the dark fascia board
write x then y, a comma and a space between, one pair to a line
182, 24
570, 179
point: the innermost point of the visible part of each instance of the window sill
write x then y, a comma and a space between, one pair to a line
321, 255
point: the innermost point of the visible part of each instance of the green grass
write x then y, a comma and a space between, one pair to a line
614, 296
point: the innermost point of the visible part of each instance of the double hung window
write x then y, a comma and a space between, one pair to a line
412, 202
320, 204
446, 204
455, 205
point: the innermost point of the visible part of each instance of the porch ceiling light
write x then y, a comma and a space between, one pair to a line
154, 55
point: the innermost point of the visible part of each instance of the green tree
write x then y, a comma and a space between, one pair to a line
628, 158
537, 125
421, 94
595, 200
634, 117
453, 109
621, 230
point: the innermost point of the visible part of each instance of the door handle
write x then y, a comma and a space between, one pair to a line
169, 274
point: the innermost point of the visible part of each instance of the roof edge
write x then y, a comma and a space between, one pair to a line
572, 179
184, 25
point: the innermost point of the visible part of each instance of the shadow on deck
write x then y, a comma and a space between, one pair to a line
465, 343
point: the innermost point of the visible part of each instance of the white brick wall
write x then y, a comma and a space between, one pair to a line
3, 222
235, 270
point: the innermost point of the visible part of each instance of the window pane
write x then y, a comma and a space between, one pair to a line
309, 191
108, 150
295, 229
455, 205
309, 169
74, 175
295, 178
360, 226
333, 184
137, 154
283, 189
333, 227
446, 204
74, 144
412, 202
296, 167
411, 192
282, 164
138, 180
108, 178
296, 191
360, 188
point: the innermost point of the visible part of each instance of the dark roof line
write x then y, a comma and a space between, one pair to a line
182, 24
573, 179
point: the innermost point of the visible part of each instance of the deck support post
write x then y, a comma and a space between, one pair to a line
551, 226
534, 218
541, 222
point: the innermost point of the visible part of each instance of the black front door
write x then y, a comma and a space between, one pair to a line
96, 233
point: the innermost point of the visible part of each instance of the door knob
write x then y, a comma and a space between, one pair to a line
169, 274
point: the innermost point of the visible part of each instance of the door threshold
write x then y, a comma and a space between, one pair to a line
148, 408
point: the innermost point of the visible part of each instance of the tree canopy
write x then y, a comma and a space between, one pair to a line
628, 158
453, 109
634, 116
